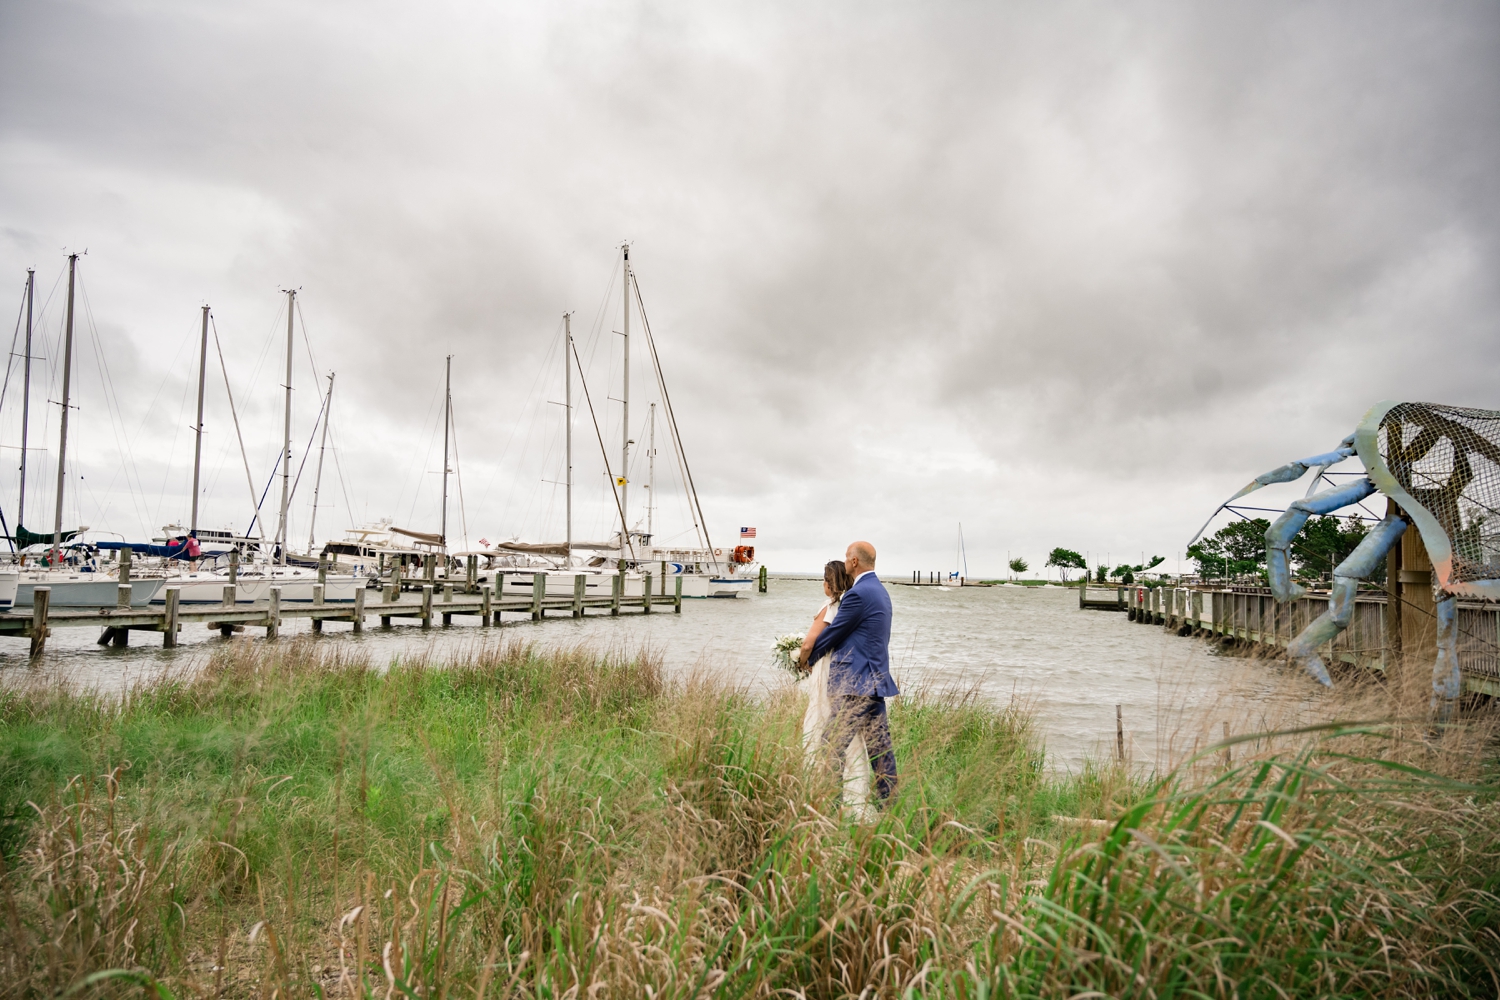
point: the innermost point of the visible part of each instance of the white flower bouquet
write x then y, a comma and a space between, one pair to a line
786, 649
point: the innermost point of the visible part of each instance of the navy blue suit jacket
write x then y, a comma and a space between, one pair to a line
860, 638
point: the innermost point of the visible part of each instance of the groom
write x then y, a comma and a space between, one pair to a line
859, 675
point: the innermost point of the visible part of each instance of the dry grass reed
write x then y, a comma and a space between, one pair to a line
292, 822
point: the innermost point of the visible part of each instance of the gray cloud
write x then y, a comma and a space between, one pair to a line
1065, 273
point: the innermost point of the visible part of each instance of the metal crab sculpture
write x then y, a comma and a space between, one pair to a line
1441, 465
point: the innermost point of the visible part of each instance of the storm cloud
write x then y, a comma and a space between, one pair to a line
1067, 273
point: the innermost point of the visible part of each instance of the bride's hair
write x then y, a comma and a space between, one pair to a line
836, 575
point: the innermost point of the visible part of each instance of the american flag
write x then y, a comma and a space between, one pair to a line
747, 532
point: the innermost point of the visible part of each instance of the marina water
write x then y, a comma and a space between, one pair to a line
1071, 667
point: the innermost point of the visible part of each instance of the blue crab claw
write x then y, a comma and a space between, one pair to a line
1290, 472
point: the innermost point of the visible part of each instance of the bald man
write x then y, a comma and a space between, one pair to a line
859, 675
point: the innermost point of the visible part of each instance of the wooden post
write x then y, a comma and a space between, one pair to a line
119, 637
762, 579
499, 593
1391, 654
580, 585
230, 598
486, 604
471, 574
664, 578
1119, 734
322, 571
1120, 598
273, 614
122, 595
125, 556
677, 598
447, 599
429, 566
169, 620
538, 591
317, 623
359, 609
427, 605
616, 592
646, 593
234, 566
40, 598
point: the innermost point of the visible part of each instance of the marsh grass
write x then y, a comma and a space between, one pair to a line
293, 822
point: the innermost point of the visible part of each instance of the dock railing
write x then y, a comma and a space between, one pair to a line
1249, 614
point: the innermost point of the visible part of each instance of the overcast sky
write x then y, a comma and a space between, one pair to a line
1067, 274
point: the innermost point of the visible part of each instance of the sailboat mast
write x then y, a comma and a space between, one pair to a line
447, 421
198, 433
651, 473
322, 447
26, 395
62, 448
625, 418
282, 534
568, 431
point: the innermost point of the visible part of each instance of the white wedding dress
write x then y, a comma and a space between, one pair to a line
815, 721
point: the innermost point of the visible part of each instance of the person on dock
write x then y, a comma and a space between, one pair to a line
859, 671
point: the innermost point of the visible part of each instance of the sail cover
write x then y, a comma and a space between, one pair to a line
26, 539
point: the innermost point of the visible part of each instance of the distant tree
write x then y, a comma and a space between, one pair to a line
1064, 560
1100, 573
1324, 542
1126, 573
1018, 565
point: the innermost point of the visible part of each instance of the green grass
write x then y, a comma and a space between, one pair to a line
295, 821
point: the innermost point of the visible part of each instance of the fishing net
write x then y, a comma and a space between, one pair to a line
1448, 459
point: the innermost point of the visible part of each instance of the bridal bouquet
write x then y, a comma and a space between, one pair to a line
786, 649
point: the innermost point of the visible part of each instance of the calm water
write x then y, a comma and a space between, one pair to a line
1072, 666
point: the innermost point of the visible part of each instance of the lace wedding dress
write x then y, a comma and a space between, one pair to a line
815, 722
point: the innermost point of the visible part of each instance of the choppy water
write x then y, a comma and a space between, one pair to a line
1072, 666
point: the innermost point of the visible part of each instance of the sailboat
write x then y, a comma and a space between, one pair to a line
961, 572
254, 580
705, 571
71, 587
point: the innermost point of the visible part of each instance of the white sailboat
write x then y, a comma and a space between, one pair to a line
71, 587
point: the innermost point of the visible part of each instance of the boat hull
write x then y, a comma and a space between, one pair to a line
86, 590
295, 589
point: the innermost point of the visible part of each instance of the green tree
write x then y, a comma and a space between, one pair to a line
1324, 542
1064, 560
1018, 565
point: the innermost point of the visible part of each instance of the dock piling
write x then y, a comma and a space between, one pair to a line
41, 597
427, 605
122, 595
677, 598
646, 593
359, 610
273, 614
580, 585
616, 591
538, 591
762, 579
169, 623
1119, 734
317, 623
486, 604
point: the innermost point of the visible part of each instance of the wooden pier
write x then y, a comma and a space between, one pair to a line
1373, 640
1115, 602
423, 603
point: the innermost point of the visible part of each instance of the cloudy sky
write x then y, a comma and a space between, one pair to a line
1067, 274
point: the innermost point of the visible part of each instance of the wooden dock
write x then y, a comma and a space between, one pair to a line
1115, 602
423, 603
1250, 615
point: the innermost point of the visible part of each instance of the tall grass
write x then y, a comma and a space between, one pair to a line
292, 822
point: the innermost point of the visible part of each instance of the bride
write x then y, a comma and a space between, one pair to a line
819, 712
